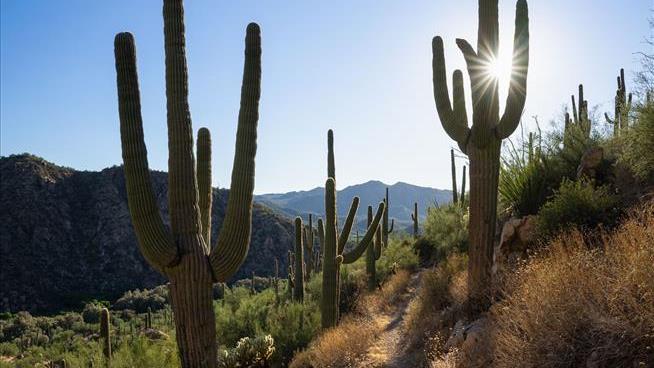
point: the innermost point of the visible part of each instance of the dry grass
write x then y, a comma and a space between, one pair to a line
346, 344
435, 309
582, 304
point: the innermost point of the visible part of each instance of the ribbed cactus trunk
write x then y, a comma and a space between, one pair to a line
310, 258
414, 217
105, 333
184, 253
482, 141
373, 252
463, 187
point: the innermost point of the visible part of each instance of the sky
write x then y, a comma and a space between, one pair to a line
362, 68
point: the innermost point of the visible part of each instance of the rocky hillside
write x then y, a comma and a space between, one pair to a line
402, 198
66, 235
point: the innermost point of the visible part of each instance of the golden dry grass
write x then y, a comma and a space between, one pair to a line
346, 344
582, 302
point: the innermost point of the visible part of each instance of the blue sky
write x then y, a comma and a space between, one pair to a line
360, 67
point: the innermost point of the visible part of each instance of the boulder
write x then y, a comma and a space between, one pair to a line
475, 348
518, 234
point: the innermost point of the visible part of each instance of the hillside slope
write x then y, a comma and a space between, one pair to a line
66, 236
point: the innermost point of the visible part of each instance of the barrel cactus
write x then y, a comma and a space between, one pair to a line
482, 141
184, 253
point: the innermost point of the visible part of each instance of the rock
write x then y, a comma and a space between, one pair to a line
590, 162
475, 347
153, 334
457, 336
517, 236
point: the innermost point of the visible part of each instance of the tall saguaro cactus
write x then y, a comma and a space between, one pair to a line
482, 141
335, 254
309, 246
386, 230
298, 283
184, 253
578, 127
622, 105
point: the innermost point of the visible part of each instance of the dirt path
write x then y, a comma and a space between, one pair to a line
386, 351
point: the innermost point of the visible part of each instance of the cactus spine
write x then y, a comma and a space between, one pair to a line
482, 141
184, 254
105, 333
333, 246
386, 231
298, 282
622, 106
455, 197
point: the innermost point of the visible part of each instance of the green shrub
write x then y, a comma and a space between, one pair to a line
139, 301
446, 231
8, 349
577, 204
637, 153
91, 312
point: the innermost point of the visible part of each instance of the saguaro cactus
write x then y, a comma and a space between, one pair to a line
298, 282
308, 243
482, 142
105, 333
386, 230
622, 106
455, 197
335, 254
372, 254
184, 253
579, 126
414, 218
253, 289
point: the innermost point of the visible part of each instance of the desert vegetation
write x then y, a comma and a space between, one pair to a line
545, 262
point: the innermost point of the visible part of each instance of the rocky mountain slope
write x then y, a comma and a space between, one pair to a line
66, 236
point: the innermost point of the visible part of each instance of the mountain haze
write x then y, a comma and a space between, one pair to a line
402, 197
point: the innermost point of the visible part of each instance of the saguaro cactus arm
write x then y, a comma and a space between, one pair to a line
204, 183
515, 101
390, 229
347, 228
155, 242
182, 184
355, 253
454, 121
234, 237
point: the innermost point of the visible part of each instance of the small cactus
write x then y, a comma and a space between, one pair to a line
298, 283
455, 197
105, 333
414, 218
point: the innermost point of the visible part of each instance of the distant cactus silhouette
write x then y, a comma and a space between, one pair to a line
308, 243
372, 254
579, 126
290, 284
386, 230
184, 253
622, 106
253, 289
105, 333
414, 218
333, 243
482, 141
298, 282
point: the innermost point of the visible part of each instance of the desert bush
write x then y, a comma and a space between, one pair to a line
446, 231
637, 153
139, 301
91, 312
582, 302
577, 204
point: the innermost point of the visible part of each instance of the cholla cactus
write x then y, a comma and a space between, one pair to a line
184, 253
482, 141
249, 352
